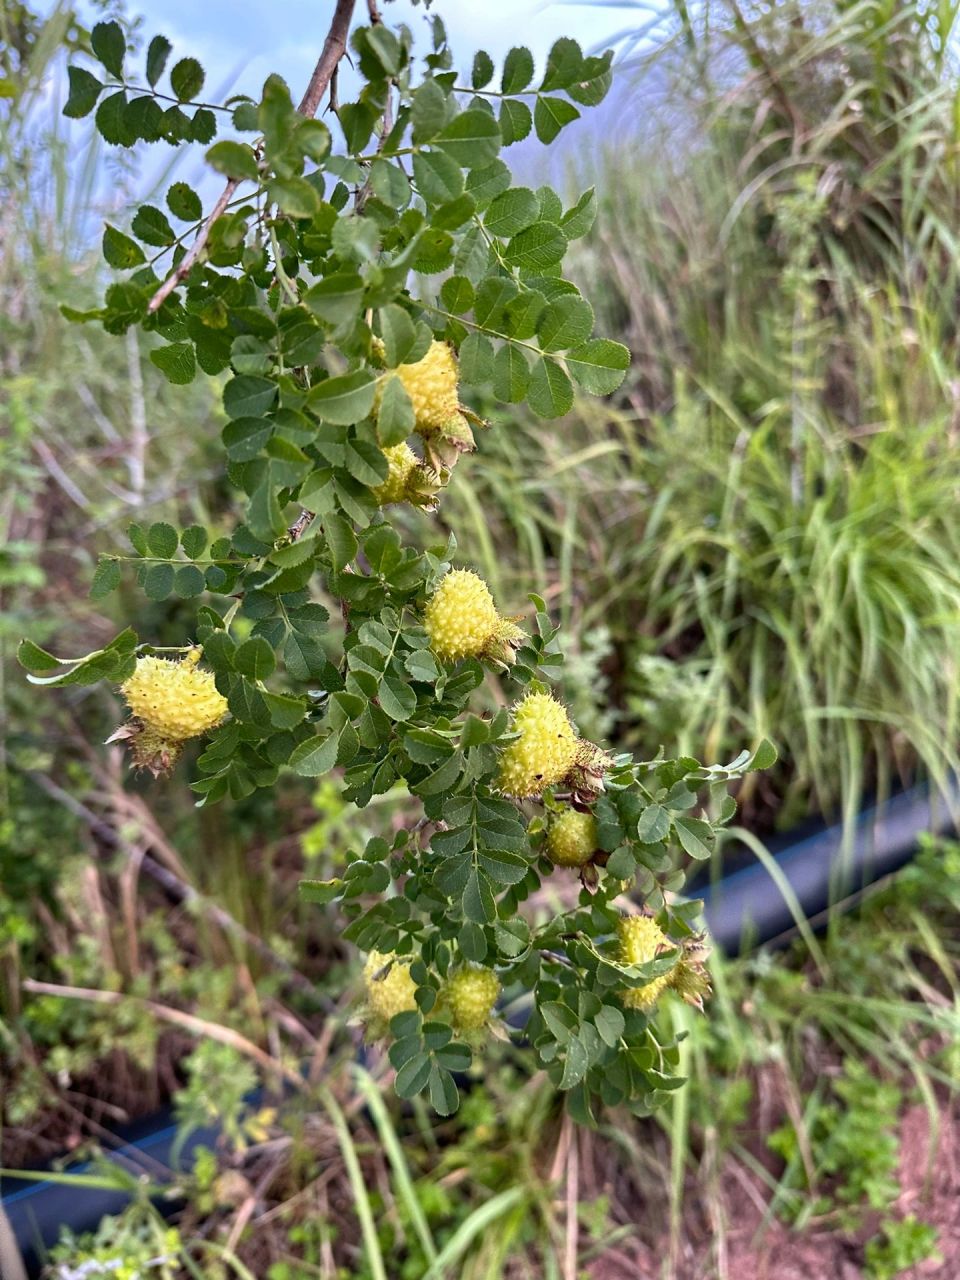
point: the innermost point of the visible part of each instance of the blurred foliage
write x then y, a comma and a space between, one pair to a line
772, 505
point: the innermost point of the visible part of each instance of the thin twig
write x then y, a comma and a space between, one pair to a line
139, 436
189, 1021
58, 474
334, 47
180, 891
572, 1204
193, 253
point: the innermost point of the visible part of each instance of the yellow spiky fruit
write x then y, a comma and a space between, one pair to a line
641, 940
545, 751
390, 988
572, 838
431, 384
402, 463
470, 994
174, 699
461, 618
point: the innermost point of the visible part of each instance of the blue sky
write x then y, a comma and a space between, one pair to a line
241, 41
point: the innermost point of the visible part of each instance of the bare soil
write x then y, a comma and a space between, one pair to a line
728, 1240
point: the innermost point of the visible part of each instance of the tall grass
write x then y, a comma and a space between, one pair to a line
772, 504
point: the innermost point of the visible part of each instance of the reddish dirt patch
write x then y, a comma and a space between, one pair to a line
724, 1239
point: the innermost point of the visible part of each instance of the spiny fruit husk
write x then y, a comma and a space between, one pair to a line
572, 838
504, 643
174, 699
470, 994
390, 988
171, 702
432, 384
545, 751
440, 418
401, 463
462, 621
690, 978
642, 940
408, 479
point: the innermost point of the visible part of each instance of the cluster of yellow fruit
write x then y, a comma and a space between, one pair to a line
171, 702
432, 385
462, 621
470, 993
468, 996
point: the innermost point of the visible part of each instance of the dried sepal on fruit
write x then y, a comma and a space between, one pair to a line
433, 387
148, 748
586, 777
462, 621
690, 978
408, 479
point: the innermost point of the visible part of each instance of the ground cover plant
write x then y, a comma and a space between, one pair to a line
508, 1186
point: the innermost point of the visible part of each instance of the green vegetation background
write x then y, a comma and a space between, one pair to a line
760, 536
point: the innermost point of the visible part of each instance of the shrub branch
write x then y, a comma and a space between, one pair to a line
334, 47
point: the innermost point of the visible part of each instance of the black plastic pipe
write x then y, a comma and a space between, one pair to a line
743, 909
746, 908
37, 1211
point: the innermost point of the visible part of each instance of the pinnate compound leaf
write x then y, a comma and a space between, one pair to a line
517, 70
536, 248
511, 212
105, 579
152, 226
233, 159
184, 203
120, 251
315, 757
550, 394
162, 540
516, 121
187, 78
550, 115
564, 65
177, 361
345, 399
